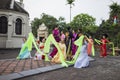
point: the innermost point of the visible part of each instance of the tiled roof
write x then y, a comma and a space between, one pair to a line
5, 4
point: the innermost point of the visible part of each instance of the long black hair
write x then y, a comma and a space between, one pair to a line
79, 32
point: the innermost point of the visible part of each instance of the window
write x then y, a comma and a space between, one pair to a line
18, 26
3, 25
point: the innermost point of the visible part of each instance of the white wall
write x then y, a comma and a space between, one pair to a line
12, 40
3, 41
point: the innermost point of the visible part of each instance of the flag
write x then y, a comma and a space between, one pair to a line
115, 19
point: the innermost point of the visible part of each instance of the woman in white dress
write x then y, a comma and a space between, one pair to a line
83, 58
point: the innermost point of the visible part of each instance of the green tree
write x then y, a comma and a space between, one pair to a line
70, 2
82, 20
35, 25
114, 11
48, 20
61, 19
61, 23
109, 28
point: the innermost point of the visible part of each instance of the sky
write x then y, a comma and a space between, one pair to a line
99, 9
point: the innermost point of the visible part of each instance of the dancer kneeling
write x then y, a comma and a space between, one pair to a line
62, 46
41, 56
83, 58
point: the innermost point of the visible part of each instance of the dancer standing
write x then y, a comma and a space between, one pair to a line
103, 49
62, 35
90, 44
68, 42
56, 35
74, 47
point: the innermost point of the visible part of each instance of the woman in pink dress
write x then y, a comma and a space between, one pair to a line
89, 46
62, 36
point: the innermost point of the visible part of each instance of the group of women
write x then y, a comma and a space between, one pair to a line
68, 47
71, 43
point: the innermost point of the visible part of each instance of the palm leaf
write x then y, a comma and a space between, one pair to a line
70, 1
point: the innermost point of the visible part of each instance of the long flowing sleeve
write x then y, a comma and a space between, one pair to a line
65, 51
79, 43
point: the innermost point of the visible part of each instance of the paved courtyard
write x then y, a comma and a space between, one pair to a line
101, 69
15, 66
11, 68
11, 53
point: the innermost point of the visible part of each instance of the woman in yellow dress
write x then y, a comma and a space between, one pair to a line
56, 58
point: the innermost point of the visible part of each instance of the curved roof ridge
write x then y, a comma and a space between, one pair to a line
5, 4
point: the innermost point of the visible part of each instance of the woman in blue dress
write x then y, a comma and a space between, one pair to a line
25, 53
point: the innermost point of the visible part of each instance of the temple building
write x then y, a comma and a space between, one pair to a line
14, 23
42, 32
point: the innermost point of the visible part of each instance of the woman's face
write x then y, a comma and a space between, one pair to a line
43, 40
24, 40
61, 32
90, 37
73, 31
56, 28
67, 33
103, 36
78, 30
80, 34
62, 40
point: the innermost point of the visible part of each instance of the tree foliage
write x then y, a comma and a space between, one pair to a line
48, 20
35, 25
114, 12
83, 20
70, 2
114, 9
62, 23
107, 27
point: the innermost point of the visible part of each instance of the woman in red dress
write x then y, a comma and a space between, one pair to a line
103, 49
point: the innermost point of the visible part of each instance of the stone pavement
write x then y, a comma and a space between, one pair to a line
13, 69
101, 69
10, 68
14, 66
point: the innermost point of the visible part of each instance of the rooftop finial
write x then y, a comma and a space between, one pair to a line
21, 1
12, 4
